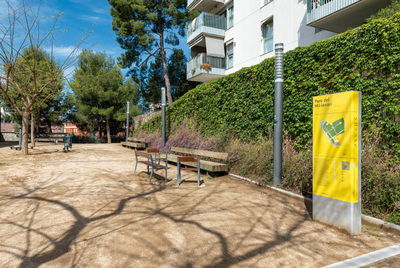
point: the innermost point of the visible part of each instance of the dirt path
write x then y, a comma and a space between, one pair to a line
87, 208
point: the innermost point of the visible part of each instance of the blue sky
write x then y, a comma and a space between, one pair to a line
80, 16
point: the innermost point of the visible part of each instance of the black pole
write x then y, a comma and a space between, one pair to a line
163, 104
278, 114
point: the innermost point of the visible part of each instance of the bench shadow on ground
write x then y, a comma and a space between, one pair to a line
59, 245
8, 144
157, 178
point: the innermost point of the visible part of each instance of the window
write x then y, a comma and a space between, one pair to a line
229, 55
317, 30
267, 1
268, 36
230, 16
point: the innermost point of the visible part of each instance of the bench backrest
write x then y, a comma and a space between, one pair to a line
188, 159
152, 150
217, 155
143, 154
50, 135
142, 140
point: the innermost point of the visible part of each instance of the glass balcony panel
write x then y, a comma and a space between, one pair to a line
206, 23
339, 15
204, 68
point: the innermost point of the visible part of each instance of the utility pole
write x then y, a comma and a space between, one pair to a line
163, 104
127, 121
278, 114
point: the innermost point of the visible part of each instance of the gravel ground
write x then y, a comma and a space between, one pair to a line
87, 208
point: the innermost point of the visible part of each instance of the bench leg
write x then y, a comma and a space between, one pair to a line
166, 167
151, 173
179, 172
198, 172
135, 166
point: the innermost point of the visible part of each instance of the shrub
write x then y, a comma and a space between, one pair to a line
365, 59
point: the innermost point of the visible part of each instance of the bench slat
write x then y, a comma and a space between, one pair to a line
137, 140
187, 159
217, 155
204, 165
145, 162
133, 144
190, 169
144, 154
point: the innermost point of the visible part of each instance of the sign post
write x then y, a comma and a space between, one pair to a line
337, 160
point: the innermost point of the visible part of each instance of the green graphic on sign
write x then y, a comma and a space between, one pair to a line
333, 131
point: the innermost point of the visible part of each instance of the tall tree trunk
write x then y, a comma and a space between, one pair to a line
164, 64
48, 122
37, 122
25, 130
108, 131
33, 129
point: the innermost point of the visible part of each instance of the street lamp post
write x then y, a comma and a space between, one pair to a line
278, 114
127, 121
163, 107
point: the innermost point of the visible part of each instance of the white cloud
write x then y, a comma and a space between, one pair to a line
63, 51
90, 18
5, 5
101, 11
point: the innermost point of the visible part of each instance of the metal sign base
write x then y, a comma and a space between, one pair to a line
339, 213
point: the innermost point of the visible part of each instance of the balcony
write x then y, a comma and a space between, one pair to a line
205, 68
205, 24
340, 15
204, 5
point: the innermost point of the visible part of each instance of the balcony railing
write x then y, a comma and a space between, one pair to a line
317, 9
203, 64
206, 23
339, 15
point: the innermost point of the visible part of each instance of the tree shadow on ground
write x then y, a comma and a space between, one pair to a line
62, 244
171, 211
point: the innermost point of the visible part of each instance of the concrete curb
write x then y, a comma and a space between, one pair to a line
368, 220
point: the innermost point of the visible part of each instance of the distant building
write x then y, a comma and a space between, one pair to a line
73, 128
232, 34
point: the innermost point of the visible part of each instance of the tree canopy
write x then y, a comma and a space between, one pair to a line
101, 93
29, 77
144, 29
151, 79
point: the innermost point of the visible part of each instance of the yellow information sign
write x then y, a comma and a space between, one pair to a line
336, 120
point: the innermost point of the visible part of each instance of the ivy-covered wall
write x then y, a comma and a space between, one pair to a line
366, 59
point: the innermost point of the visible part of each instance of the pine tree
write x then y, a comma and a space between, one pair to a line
100, 92
145, 27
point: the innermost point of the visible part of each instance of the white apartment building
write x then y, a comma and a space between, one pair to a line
232, 34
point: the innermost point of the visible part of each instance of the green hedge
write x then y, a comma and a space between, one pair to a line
364, 59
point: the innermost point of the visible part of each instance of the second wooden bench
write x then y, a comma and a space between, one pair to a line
207, 165
136, 143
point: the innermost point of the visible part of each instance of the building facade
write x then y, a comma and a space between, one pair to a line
231, 34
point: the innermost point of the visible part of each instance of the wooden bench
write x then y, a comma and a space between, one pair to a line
156, 153
136, 143
151, 162
207, 165
52, 137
